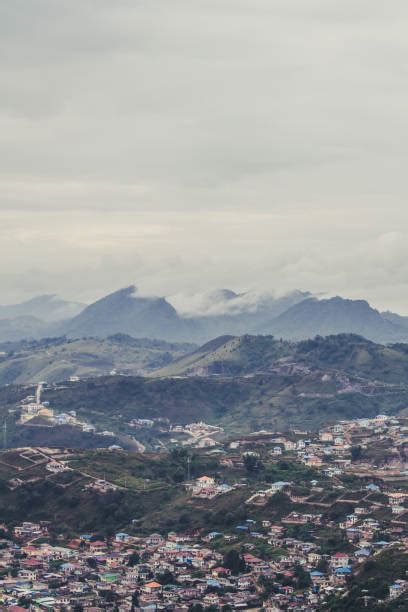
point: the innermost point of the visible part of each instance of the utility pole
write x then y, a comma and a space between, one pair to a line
188, 467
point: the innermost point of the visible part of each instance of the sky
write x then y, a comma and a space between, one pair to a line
186, 145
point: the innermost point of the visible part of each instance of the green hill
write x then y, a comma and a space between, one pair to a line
57, 359
246, 355
247, 384
229, 355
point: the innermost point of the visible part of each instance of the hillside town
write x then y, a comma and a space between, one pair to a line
178, 570
303, 543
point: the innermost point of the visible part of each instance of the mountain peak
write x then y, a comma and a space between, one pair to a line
335, 315
125, 311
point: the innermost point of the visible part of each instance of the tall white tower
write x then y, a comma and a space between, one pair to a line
39, 392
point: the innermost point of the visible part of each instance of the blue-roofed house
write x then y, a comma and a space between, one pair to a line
343, 570
212, 535
397, 588
122, 537
213, 583
372, 487
362, 554
279, 485
316, 576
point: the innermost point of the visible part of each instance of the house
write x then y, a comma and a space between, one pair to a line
155, 539
212, 535
316, 576
55, 467
26, 574
204, 481
152, 587
362, 554
397, 588
278, 486
397, 509
313, 557
28, 529
122, 537
313, 460
326, 436
220, 571
339, 560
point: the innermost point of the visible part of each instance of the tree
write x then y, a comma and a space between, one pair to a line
24, 601
109, 596
234, 562
135, 599
178, 454
178, 475
323, 566
356, 453
134, 559
166, 578
302, 577
252, 463
267, 585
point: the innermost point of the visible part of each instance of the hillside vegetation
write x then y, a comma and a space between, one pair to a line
150, 491
246, 355
57, 359
245, 384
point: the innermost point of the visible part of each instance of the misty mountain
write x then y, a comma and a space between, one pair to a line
44, 307
245, 313
22, 327
199, 318
395, 318
218, 313
126, 312
313, 317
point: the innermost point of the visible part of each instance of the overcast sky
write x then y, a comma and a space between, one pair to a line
188, 144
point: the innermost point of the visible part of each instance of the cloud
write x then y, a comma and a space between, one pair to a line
193, 144
218, 302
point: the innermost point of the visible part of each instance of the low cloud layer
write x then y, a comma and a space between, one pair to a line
258, 145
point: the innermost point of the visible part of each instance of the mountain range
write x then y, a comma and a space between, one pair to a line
296, 316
